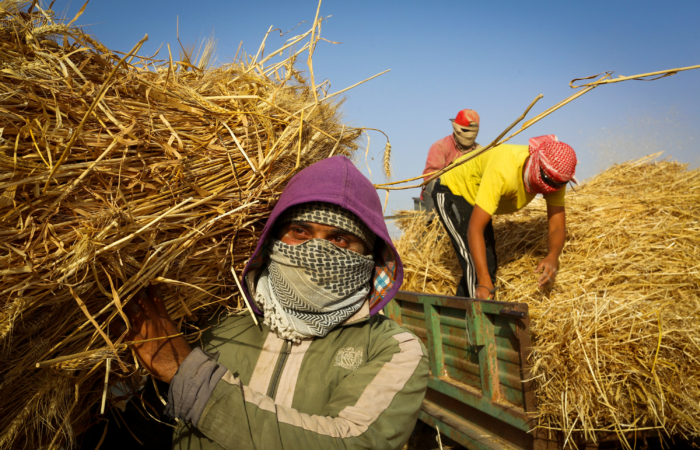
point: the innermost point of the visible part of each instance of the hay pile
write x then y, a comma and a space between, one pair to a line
617, 339
114, 175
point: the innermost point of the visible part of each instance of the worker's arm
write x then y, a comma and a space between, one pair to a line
549, 266
477, 249
375, 407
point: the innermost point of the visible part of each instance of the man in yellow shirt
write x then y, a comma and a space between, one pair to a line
502, 181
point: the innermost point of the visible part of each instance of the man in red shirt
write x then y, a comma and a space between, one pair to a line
465, 128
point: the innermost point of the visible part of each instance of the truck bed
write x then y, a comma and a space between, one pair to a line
478, 392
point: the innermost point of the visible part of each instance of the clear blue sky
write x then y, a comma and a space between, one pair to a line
494, 57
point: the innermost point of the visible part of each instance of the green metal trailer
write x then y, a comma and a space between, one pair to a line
479, 391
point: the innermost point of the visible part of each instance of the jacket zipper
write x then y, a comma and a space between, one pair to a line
284, 354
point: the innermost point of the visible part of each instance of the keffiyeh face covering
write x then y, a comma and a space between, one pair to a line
551, 165
309, 289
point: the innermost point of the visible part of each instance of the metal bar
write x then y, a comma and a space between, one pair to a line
512, 416
488, 359
489, 306
523, 333
453, 322
513, 313
432, 322
461, 432
475, 323
393, 310
414, 314
415, 297
471, 427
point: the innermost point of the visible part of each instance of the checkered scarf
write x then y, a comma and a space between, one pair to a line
555, 159
309, 289
329, 214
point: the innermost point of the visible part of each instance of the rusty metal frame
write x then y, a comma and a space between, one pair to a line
477, 418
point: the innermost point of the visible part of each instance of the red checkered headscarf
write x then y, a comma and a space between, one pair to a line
553, 159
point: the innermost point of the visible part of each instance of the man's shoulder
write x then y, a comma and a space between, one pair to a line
504, 157
383, 323
444, 144
385, 329
513, 150
234, 327
377, 327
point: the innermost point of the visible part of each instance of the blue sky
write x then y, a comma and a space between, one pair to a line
494, 57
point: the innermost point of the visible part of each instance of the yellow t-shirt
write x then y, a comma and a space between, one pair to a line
494, 181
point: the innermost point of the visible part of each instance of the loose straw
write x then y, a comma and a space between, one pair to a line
98, 98
108, 367
245, 298
122, 346
100, 197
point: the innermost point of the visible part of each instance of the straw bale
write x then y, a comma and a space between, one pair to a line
616, 340
169, 177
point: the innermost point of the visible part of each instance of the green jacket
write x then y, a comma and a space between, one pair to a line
361, 386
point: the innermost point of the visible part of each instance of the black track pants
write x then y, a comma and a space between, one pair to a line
455, 212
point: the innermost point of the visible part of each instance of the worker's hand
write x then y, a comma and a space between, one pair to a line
549, 266
149, 320
483, 291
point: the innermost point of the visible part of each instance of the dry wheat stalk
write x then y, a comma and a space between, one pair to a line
171, 177
386, 160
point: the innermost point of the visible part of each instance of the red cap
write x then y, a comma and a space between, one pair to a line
466, 117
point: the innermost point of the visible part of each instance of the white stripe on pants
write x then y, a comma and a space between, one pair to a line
470, 272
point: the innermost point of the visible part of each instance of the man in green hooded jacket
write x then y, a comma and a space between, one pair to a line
322, 370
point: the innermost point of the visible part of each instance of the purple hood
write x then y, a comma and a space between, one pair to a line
336, 180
